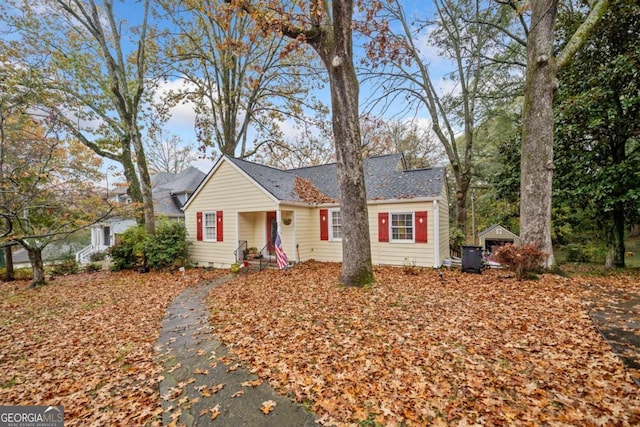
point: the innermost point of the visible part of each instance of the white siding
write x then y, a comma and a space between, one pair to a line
393, 253
231, 192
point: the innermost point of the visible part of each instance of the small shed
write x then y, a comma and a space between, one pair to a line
496, 236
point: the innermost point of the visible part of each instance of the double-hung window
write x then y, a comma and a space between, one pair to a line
402, 227
210, 226
335, 224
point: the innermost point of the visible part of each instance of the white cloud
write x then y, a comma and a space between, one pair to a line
183, 115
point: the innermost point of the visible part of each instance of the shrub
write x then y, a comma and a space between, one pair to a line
129, 253
456, 239
580, 253
168, 247
92, 267
67, 266
97, 256
523, 260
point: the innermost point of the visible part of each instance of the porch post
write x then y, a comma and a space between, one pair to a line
279, 220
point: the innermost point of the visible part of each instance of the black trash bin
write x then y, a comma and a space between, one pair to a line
472, 259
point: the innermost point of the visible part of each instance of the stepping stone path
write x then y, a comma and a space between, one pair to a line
203, 385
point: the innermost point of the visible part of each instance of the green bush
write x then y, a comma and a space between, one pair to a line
580, 253
97, 256
168, 247
67, 266
523, 260
129, 253
92, 267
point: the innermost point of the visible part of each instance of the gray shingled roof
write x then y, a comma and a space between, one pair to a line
384, 178
166, 185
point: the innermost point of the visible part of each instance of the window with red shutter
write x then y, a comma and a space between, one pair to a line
219, 233
199, 225
421, 227
383, 227
324, 224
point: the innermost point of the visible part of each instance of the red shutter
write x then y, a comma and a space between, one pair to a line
219, 230
421, 227
199, 225
324, 224
383, 227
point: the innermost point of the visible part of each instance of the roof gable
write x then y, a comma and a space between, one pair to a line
491, 228
385, 179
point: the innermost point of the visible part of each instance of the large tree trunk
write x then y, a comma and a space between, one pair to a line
537, 131
337, 56
145, 183
35, 256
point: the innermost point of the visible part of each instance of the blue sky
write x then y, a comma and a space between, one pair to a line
183, 118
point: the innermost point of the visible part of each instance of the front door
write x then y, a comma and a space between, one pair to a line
106, 236
272, 230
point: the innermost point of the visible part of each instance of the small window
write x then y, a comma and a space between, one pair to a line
402, 227
336, 224
210, 226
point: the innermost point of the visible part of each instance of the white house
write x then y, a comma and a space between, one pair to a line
170, 192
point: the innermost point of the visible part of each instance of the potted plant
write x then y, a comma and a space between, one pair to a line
252, 252
286, 220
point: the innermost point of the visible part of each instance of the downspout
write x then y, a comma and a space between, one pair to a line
436, 235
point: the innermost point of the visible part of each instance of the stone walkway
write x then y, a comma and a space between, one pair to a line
202, 385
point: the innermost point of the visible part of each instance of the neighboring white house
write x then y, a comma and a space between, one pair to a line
243, 204
170, 192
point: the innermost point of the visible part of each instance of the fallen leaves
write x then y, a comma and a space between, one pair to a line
86, 342
467, 349
267, 406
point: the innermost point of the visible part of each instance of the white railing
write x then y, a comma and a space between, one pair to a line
83, 256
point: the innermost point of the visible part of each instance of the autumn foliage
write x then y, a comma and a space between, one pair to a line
523, 260
408, 350
86, 342
420, 350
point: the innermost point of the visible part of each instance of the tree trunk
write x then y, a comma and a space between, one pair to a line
145, 183
35, 256
8, 260
537, 131
618, 235
337, 55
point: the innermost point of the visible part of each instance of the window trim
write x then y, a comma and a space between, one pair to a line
332, 238
413, 228
215, 226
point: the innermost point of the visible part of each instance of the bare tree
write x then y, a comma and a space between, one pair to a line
327, 27
166, 153
396, 59
244, 82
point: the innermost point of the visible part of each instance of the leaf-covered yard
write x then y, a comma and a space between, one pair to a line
419, 349
412, 349
86, 342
